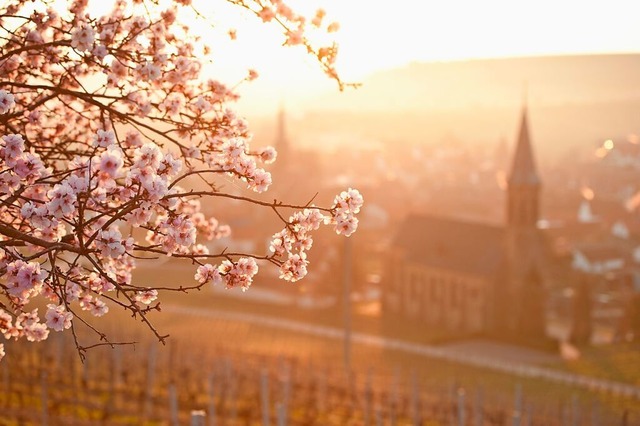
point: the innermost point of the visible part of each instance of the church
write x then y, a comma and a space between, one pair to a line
468, 277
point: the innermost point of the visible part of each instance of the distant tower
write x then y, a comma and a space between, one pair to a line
523, 297
523, 183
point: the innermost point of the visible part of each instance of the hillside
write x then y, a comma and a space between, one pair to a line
573, 100
552, 81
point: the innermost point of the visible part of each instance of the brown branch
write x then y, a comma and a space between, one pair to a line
34, 47
272, 204
14, 233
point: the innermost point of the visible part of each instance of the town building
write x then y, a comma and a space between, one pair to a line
471, 277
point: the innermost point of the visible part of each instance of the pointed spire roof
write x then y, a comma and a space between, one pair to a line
523, 168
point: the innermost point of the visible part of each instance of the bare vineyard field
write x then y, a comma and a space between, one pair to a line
243, 374
619, 362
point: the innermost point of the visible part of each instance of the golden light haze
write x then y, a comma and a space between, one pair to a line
376, 35
382, 34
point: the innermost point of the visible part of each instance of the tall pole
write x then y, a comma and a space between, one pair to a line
347, 303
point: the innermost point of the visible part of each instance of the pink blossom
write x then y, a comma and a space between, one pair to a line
348, 201
58, 318
239, 274
109, 242
294, 268
143, 175
6, 101
268, 154
139, 216
179, 231
346, 225
253, 74
294, 37
193, 152
247, 266
284, 10
333, 27
104, 138
200, 250
266, 14
24, 279
173, 103
234, 148
94, 305
317, 19
35, 117
148, 71
222, 231
78, 182
147, 155
9, 182
62, 200
72, 291
244, 166
260, 181
5, 322
306, 220
38, 216
118, 71
202, 104
156, 188
35, 331
100, 51
29, 167
302, 243
278, 243
11, 148
82, 37
99, 284
132, 139
208, 273
111, 162
146, 297
170, 165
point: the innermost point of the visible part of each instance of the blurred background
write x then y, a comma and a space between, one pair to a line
495, 274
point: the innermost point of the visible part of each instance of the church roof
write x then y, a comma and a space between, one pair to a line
465, 247
523, 169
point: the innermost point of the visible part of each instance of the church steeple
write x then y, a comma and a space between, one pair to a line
523, 169
523, 182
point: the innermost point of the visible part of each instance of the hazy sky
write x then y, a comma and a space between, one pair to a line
378, 34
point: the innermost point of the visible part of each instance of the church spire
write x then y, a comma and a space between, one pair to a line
523, 183
523, 169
